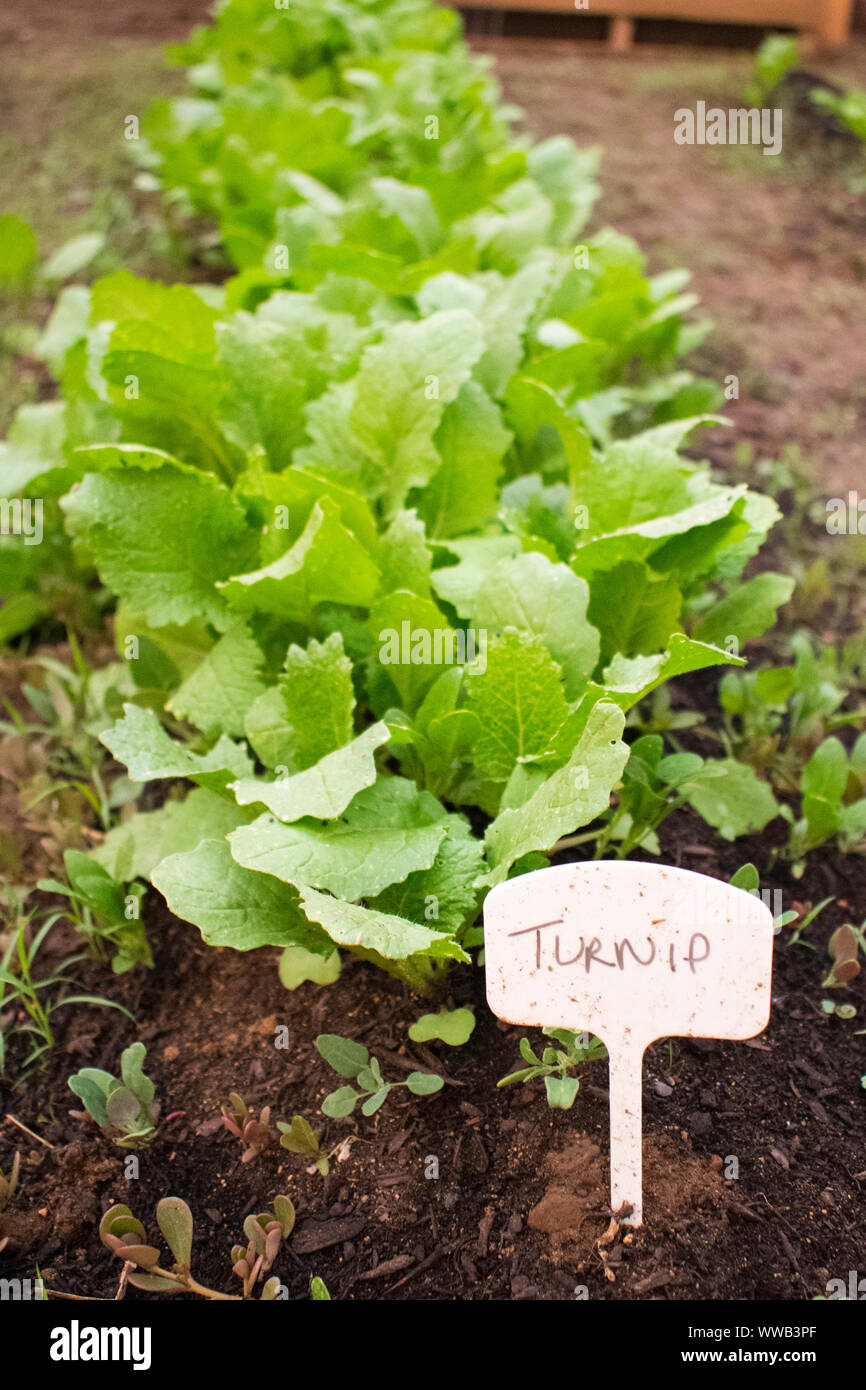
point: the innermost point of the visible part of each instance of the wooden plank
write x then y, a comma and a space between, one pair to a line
836, 27
826, 22
621, 33
790, 13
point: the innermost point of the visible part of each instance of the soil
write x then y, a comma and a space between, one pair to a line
756, 1152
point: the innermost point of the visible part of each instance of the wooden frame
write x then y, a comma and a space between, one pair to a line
823, 22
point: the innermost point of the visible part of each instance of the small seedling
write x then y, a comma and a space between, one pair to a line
318, 1291
124, 1235
748, 879
843, 947
351, 1059
265, 1234
124, 1109
254, 1133
556, 1065
844, 1011
300, 1138
22, 995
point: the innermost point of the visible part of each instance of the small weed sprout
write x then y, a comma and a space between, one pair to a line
351, 1059
556, 1064
125, 1108
255, 1133
300, 1138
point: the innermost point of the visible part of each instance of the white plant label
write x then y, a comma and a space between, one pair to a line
631, 952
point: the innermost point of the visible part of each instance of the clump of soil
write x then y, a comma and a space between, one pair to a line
574, 1211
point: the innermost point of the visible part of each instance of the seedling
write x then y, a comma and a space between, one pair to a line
318, 1291
556, 1064
748, 879
843, 947
124, 1109
255, 1134
38, 999
265, 1234
351, 1059
844, 1011
300, 1138
101, 910
124, 1235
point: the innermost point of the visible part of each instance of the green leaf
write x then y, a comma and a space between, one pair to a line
376, 934
17, 251
403, 386
385, 833
135, 847
175, 1221
139, 741
451, 1026
635, 610
131, 1063
325, 565
444, 895
414, 641
561, 1091
346, 1056
737, 802
518, 701
376, 1101
533, 595
298, 965
323, 790
73, 256
424, 1083
316, 702
471, 442
217, 696
746, 878
232, 906
569, 799
748, 612
299, 1137
95, 885
404, 557
161, 539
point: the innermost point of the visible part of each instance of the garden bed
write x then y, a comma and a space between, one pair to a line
497, 1222
479, 1193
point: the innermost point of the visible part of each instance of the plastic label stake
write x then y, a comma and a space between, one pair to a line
633, 953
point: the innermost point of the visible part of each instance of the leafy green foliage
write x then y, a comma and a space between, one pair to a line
124, 1107
351, 1059
397, 520
833, 802
556, 1064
